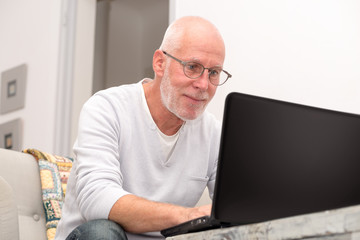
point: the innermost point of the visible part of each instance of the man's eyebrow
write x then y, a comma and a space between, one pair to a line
194, 59
217, 66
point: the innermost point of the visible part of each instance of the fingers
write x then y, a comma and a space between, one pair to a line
199, 211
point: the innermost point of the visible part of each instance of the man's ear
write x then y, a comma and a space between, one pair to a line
159, 63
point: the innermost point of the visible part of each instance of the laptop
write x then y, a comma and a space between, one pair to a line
279, 159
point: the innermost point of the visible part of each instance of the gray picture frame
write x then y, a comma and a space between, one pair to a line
11, 135
13, 88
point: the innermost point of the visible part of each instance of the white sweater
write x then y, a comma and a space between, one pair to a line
118, 153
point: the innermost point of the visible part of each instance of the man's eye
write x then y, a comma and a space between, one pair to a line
194, 67
214, 72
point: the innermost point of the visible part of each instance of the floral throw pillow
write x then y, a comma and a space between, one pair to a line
54, 174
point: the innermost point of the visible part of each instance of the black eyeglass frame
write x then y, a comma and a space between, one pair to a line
202, 72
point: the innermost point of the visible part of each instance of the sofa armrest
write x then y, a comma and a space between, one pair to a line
21, 172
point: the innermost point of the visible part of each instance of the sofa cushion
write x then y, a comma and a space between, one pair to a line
9, 226
54, 173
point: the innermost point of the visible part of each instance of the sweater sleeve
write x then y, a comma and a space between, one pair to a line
98, 170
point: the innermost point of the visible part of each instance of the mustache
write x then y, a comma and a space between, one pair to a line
199, 95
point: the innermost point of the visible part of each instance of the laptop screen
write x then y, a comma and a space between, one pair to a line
280, 159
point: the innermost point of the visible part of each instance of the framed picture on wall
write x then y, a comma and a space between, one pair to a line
11, 135
13, 85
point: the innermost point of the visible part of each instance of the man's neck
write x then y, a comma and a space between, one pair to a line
166, 121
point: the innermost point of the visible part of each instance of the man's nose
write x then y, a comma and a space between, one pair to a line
202, 82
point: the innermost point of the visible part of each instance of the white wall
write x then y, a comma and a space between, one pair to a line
304, 51
29, 33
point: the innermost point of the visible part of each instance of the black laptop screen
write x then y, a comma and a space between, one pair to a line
279, 159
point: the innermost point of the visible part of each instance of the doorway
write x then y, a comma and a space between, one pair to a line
127, 32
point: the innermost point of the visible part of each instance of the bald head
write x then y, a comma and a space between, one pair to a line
197, 42
191, 30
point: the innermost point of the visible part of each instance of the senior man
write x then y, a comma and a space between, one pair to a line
146, 151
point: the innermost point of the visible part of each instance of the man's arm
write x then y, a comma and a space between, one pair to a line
138, 215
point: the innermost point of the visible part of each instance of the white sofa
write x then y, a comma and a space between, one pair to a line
22, 214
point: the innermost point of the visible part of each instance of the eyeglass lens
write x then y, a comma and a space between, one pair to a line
195, 70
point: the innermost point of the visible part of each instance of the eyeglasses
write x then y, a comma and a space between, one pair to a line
193, 70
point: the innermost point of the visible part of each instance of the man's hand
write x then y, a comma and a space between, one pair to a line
199, 212
138, 215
